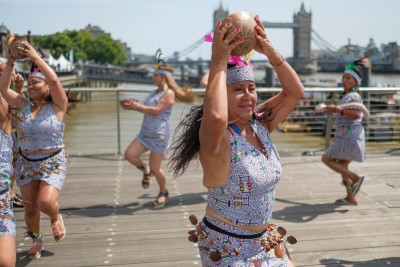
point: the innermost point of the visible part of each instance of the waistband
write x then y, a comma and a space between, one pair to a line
40, 159
4, 191
222, 231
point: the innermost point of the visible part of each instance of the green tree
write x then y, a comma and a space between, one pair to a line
101, 49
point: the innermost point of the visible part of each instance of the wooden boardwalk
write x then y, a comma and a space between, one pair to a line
109, 224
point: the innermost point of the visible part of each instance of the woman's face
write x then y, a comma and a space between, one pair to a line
348, 82
37, 88
158, 79
242, 98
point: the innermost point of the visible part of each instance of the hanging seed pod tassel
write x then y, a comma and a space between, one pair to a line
279, 252
215, 256
194, 234
275, 240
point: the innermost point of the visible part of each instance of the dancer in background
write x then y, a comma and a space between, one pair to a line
349, 142
155, 131
17, 83
241, 165
7, 219
41, 165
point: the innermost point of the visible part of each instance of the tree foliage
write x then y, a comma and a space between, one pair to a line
101, 49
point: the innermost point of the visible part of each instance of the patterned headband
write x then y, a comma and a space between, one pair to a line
355, 76
35, 72
163, 72
239, 73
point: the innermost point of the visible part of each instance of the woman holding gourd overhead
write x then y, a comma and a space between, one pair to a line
230, 135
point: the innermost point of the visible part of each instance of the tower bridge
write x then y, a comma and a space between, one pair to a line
330, 58
301, 26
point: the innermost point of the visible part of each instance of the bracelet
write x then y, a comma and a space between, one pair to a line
282, 59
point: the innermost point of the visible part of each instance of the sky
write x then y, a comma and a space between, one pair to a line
174, 25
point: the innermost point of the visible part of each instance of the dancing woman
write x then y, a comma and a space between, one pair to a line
349, 142
241, 166
41, 165
7, 219
155, 131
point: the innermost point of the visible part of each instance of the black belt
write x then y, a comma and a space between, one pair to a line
222, 231
41, 159
4, 191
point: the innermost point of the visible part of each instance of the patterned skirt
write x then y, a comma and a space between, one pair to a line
251, 253
51, 169
349, 144
7, 219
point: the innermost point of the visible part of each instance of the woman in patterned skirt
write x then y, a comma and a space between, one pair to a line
7, 219
241, 165
349, 142
155, 132
40, 169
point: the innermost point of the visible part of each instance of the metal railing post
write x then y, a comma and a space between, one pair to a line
367, 121
118, 125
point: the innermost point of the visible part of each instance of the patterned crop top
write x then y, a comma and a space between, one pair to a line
6, 169
342, 121
41, 133
248, 196
155, 120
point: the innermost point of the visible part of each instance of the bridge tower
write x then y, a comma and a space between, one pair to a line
219, 15
302, 34
302, 40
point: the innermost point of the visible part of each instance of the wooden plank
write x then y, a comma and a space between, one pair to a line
109, 224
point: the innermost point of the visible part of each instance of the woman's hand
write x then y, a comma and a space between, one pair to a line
131, 104
263, 44
222, 47
18, 80
29, 51
330, 109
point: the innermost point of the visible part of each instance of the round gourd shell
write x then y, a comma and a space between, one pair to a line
245, 21
14, 45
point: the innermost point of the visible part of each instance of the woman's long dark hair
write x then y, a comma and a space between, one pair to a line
186, 143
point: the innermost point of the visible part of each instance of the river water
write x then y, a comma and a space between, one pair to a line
99, 126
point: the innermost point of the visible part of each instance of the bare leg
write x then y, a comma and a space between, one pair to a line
7, 251
336, 166
155, 168
30, 194
133, 152
342, 167
47, 201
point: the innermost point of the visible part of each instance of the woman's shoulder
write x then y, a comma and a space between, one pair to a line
169, 93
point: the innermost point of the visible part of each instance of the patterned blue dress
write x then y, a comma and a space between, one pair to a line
155, 132
7, 220
349, 136
247, 198
40, 133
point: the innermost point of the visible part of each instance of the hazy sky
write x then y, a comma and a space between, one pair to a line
174, 25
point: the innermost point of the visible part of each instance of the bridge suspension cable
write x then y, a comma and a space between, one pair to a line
187, 50
324, 42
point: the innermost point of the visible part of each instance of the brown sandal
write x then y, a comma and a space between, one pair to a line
160, 204
146, 180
